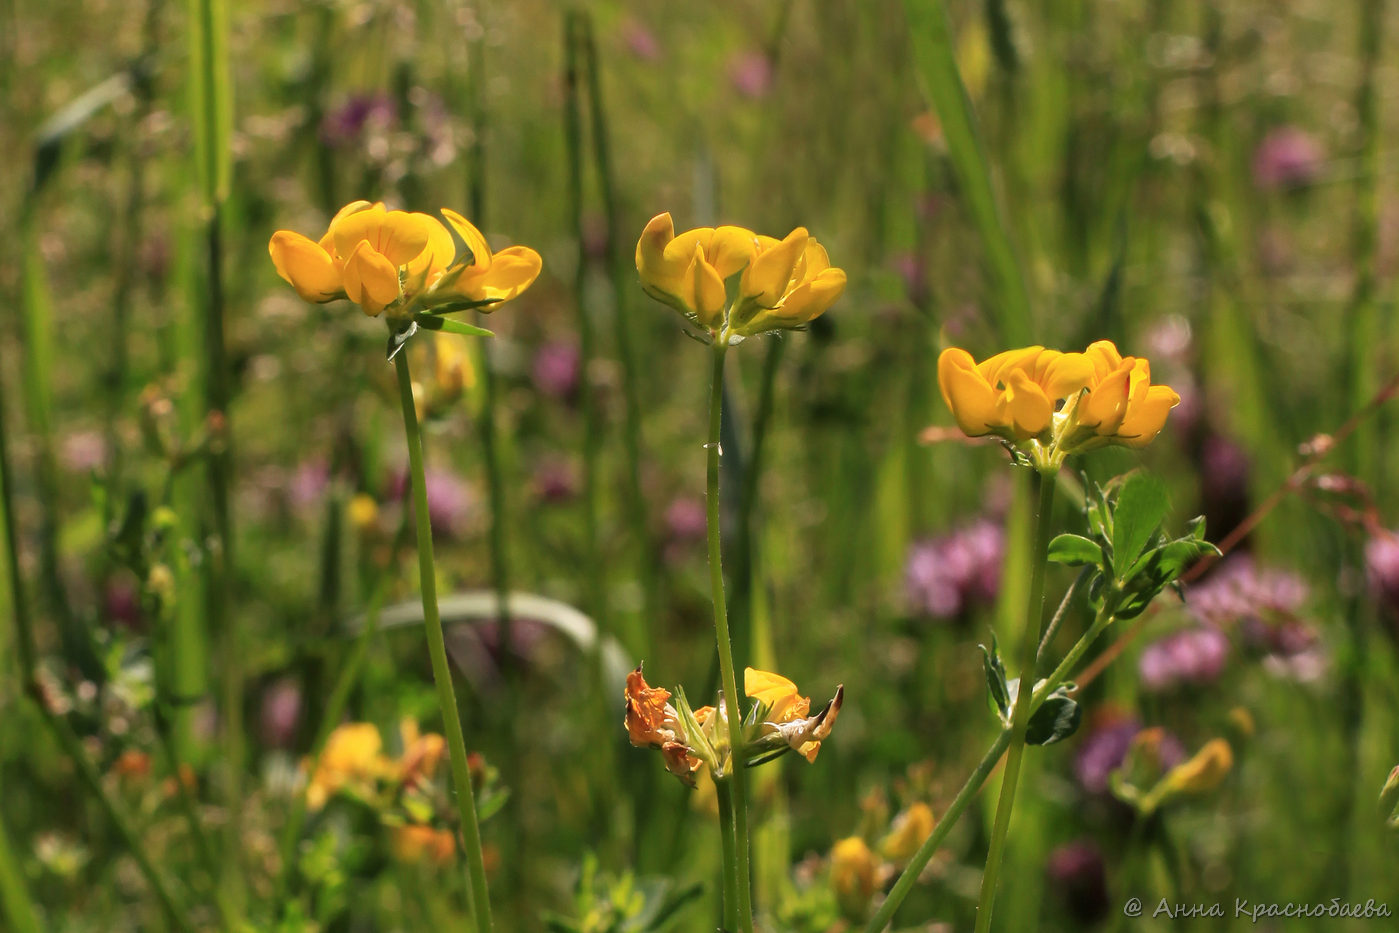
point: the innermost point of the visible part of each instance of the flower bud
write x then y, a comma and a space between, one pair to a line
853, 876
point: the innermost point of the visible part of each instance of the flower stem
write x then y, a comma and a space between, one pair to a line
1020, 717
437, 650
729, 904
739, 858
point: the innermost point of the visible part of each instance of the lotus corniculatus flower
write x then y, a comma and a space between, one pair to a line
1048, 404
1200, 774
778, 721
402, 262
784, 283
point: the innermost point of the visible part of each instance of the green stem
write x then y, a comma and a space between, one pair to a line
729, 903
920, 859
1020, 718
14, 896
1061, 673
437, 650
726, 661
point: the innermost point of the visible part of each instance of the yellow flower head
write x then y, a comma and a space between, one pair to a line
786, 712
382, 259
1054, 403
784, 284
352, 758
854, 873
1202, 773
910, 828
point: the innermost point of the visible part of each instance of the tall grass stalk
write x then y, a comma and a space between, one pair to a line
737, 779
933, 55
437, 650
14, 894
622, 273
1044, 486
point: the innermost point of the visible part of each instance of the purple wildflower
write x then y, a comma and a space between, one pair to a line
280, 713
1288, 157
557, 370
948, 576
751, 74
1105, 749
1190, 658
345, 125
640, 41
555, 482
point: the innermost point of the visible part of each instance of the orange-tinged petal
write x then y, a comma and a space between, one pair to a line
305, 266
968, 395
768, 276
371, 280
649, 716
472, 237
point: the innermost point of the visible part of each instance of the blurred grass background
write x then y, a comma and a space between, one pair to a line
1209, 185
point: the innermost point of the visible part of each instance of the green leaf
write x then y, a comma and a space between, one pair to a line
1057, 718
432, 322
1075, 551
996, 679
1141, 506
452, 306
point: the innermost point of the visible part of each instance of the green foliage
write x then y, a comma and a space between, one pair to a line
623, 904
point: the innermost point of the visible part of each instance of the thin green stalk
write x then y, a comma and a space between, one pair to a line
437, 650
925, 852
729, 903
592, 427
1020, 717
14, 895
915, 867
622, 273
726, 662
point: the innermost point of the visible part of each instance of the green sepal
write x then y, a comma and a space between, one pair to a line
432, 322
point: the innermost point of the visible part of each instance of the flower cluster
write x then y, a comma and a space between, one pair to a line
948, 576
1053, 404
779, 720
781, 284
400, 261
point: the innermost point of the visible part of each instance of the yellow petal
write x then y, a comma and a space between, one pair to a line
730, 249
371, 280
1104, 407
1066, 374
1104, 356
1025, 405
1146, 418
1204, 772
768, 276
512, 270
354, 207
810, 299
777, 692
703, 290
995, 368
435, 257
968, 395
398, 236
305, 266
475, 242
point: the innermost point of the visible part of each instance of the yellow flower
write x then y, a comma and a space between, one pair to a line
1013, 393
364, 513
910, 829
383, 259
853, 875
351, 758
1202, 773
1121, 405
786, 711
422, 753
785, 283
